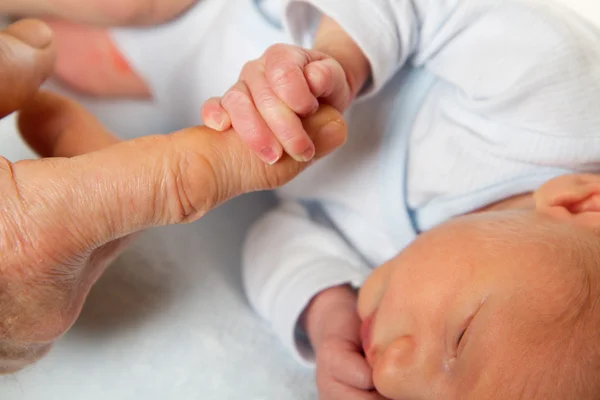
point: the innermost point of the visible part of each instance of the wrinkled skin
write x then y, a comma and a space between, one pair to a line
66, 216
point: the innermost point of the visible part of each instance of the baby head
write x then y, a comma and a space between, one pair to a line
499, 304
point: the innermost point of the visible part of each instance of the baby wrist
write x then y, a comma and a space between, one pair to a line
332, 40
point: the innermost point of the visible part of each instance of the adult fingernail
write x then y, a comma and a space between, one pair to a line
269, 155
331, 128
34, 33
330, 136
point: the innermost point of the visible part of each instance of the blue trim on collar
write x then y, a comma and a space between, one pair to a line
408, 90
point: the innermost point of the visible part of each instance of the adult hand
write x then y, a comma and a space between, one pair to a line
99, 12
64, 217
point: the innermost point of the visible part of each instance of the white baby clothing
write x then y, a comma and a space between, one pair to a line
470, 102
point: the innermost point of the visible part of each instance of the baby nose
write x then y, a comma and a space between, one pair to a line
396, 373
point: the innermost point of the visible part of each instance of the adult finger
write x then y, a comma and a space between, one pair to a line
153, 180
26, 59
281, 120
55, 126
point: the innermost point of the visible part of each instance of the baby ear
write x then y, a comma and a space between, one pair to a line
572, 197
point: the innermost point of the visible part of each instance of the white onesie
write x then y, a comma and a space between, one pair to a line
483, 99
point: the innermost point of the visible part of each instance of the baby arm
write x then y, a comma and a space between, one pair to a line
286, 83
297, 275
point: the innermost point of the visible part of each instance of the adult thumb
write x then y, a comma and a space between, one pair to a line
154, 180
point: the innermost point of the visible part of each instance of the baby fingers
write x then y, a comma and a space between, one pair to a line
353, 370
278, 120
284, 72
214, 115
337, 391
342, 360
327, 81
249, 124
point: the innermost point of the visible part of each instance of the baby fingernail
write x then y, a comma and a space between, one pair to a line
218, 121
269, 155
307, 154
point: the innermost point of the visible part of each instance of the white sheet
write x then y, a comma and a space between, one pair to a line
169, 319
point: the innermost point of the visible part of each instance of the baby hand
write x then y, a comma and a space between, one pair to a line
343, 372
272, 94
333, 326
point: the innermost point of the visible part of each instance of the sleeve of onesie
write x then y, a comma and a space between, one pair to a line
512, 110
385, 30
288, 259
390, 33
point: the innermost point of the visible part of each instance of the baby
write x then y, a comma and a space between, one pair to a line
462, 181
465, 192
499, 304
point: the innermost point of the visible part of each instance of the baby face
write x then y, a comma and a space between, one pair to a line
471, 309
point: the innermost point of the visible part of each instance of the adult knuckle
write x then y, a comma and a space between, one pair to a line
181, 204
192, 185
